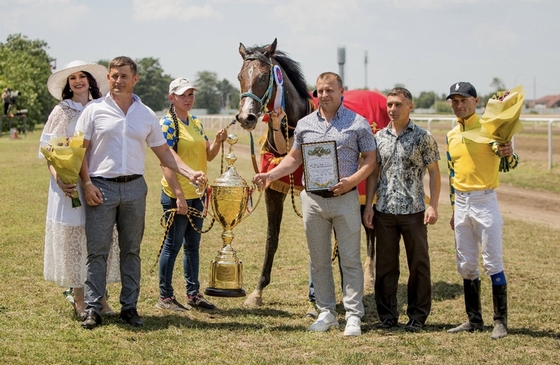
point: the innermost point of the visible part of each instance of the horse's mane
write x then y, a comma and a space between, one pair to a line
291, 67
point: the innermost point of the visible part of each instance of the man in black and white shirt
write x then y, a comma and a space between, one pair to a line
404, 152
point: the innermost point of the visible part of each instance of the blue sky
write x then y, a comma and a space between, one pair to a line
424, 44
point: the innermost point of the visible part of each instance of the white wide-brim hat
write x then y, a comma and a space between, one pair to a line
57, 81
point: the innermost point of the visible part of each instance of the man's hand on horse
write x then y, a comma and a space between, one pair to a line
277, 115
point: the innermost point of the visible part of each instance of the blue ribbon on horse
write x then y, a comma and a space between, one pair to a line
279, 99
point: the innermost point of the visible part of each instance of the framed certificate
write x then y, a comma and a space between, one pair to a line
320, 165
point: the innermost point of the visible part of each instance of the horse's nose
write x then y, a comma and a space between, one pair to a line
248, 121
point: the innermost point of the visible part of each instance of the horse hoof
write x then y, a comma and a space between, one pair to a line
253, 300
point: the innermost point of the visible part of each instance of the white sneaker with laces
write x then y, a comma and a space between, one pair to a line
325, 321
353, 326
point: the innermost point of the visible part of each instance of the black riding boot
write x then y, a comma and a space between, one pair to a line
499, 295
472, 306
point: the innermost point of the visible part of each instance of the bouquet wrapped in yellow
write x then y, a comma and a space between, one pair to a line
66, 156
500, 121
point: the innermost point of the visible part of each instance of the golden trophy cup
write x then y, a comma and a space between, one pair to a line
229, 197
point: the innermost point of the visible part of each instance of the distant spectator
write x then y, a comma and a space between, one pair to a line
6, 98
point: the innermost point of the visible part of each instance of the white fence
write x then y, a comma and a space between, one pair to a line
215, 122
451, 120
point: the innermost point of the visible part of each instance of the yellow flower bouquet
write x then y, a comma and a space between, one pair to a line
500, 120
66, 156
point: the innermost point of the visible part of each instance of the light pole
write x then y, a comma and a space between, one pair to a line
341, 61
365, 65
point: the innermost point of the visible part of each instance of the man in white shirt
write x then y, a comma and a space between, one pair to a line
116, 129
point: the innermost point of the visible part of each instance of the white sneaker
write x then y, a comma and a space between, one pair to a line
325, 321
353, 328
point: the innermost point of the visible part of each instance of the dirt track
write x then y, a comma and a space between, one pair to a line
517, 203
524, 204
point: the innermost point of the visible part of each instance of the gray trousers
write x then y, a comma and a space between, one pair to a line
125, 205
320, 216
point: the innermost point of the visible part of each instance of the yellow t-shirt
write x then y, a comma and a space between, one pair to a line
473, 166
191, 148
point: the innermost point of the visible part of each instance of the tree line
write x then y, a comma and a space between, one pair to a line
25, 66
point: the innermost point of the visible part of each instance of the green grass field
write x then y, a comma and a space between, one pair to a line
37, 325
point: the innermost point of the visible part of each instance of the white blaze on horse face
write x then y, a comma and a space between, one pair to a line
248, 105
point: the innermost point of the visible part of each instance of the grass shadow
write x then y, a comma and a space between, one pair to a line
445, 291
441, 291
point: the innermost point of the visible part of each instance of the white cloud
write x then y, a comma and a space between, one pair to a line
153, 10
16, 15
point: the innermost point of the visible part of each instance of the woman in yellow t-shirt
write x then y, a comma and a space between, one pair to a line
185, 134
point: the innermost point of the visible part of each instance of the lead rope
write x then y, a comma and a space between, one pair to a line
168, 216
166, 223
286, 135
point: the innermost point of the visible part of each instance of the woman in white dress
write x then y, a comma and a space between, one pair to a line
65, 240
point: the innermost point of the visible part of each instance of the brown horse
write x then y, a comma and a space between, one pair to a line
259, 91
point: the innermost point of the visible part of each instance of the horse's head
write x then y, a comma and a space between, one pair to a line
257, 83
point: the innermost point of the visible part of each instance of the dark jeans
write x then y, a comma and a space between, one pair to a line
181, 234
388, 230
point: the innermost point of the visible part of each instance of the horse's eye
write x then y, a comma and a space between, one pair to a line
239, 77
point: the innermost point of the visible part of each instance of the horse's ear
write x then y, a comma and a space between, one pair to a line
271, 49
242, 50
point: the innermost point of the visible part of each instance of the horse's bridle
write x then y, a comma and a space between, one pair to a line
268, 94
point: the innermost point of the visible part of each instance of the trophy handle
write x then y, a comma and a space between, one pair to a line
249, 212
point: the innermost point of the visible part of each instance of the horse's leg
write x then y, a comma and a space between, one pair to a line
274, 201
369, 264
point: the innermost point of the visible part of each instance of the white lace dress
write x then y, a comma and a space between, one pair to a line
65, 239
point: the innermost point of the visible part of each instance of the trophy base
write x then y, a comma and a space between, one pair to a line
227, 293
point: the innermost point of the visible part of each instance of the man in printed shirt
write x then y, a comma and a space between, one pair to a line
337, 207
473, 176
404, 152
